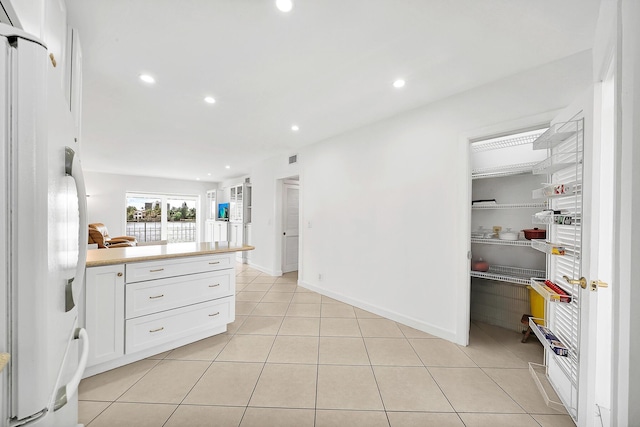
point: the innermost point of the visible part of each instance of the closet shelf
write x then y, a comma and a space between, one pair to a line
557, 219
500, 171
547, 248
539, 374
501, 242
557, 190
553, 344
539, 286
503, 273
555, 135
557, 162
538, 205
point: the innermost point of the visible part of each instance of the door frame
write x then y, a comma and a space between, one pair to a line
465, 139
279, 222
288, 182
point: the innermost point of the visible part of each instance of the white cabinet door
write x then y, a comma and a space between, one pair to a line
211, 205
220, 231
236, 234
209, 232
105, 312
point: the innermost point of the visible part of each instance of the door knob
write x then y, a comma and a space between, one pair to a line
581, 281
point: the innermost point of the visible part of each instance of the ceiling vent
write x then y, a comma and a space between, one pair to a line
293, 159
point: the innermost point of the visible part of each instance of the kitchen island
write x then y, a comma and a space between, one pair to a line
144, 300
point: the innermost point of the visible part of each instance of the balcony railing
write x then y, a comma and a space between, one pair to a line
147, 231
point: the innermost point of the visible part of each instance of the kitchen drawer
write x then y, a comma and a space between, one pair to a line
160, 328
154, 296
140, 271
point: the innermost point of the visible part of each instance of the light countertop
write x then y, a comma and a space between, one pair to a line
98, 257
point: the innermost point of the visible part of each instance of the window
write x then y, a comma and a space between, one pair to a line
155, 217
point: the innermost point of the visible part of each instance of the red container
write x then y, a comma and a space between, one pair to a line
535, 233
480, 265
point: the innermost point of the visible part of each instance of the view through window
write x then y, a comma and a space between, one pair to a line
155, 217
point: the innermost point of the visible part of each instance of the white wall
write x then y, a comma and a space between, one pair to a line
107, 202
266, 216
388, 202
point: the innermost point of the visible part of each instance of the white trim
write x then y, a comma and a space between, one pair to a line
446, 334
626, 392
264, 269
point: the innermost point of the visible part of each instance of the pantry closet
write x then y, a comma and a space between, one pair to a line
502, 206
531, 183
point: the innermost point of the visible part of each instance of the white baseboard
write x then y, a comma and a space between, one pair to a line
392, 315
265, 270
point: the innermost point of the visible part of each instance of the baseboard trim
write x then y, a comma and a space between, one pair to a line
264, 270
389, 314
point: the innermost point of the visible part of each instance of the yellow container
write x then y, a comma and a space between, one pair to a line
536, 302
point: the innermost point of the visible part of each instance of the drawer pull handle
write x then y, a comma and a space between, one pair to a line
214, 314
156, 270
119, 274
156, 330
156, 296
214, 286
215, 262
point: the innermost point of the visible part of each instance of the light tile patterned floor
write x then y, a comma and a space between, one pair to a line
296, 358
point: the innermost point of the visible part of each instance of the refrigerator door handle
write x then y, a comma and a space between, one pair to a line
68, 390
73, 169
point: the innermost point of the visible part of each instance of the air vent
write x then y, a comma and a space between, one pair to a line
293, 159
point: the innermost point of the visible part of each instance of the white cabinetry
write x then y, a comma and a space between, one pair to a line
212, 205
240, 203
236, 234
210, 219
209, 231
105, 313
135, 310
220, 231
248, 238
240, 199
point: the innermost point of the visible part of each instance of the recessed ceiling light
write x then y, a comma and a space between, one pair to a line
197, 179
399, 83
208, 174
284, 5
210, 100
295, 128
227, 167
147, 78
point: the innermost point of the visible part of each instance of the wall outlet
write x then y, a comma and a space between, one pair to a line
309, 224
320, 277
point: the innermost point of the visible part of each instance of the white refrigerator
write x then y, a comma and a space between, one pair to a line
43, 239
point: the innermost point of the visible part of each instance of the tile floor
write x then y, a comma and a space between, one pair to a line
297, 358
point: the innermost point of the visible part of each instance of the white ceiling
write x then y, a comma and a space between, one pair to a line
327, 66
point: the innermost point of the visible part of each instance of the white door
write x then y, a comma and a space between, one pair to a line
291, 209
583, 380
599, 256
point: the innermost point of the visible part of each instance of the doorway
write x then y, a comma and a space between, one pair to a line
290, 224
